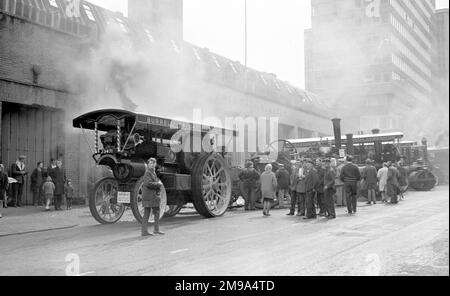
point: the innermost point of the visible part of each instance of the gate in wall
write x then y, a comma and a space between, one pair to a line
35, 132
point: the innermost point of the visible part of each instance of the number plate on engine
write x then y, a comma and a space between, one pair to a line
123, 197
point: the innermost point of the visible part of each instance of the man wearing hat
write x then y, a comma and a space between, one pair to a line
311, 181
369, 175
249, 176
18, 172
329, 189
350, 175
283, 180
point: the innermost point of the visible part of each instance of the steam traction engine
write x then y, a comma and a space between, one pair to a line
129, 140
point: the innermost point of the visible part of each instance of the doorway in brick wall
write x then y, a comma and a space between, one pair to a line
32, 131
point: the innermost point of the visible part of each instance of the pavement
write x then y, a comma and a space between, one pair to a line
411, 238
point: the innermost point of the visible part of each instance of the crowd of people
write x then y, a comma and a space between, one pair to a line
321, 185
48, 185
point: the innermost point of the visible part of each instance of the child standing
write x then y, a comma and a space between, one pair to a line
49, 189
68, 191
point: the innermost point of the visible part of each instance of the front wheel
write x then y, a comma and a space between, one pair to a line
136, 202
103, 202
211, 185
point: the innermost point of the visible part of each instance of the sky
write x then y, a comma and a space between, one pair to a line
275, 31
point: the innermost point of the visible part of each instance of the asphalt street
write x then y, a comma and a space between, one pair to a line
411, 238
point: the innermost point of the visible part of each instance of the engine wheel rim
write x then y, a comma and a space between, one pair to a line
216, 186
106, 201
162, 204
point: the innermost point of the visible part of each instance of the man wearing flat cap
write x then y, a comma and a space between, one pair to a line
249, 176
18, 172
329, 189
311, 181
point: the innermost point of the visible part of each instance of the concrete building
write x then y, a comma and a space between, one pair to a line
372, 59
441, 79
54, 67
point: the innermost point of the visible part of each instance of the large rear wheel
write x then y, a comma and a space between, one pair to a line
211, 185
103, 202
136, 202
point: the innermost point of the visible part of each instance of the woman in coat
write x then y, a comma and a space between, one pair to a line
382, 176
151, 198
268, 188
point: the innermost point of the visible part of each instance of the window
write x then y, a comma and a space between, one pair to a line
196, 54
175, 46
233, 68
276, 84
262, 78
53, 3
121, 24
216, 61
149, 35
89, 13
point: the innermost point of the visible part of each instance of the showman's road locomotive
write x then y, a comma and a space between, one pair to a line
129, 140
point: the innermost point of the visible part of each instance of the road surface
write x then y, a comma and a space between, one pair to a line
411, 238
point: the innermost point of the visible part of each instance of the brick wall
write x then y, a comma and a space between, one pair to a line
24, 44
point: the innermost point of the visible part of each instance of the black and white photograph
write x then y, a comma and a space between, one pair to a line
209, 140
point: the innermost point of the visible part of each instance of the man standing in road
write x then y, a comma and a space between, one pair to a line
151, 198
18, 172
319, 188
402, 178
369, 175
350, 175
283, 180
249, 176
58, 176
329, 189
311, 180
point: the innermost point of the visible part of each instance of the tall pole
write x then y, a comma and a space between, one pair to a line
246, 44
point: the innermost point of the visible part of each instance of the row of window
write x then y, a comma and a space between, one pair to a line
411, 56
404, 32
405, 68
419, 17
382, 122
425, 9
47, 13
410, 22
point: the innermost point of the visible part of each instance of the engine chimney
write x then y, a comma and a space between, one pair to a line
337, 132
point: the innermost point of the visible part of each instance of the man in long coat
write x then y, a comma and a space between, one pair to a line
319, 187
18, 172
329, 189
151, 198
37, 179
58, 176
311, 180
392, 183
249, 177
